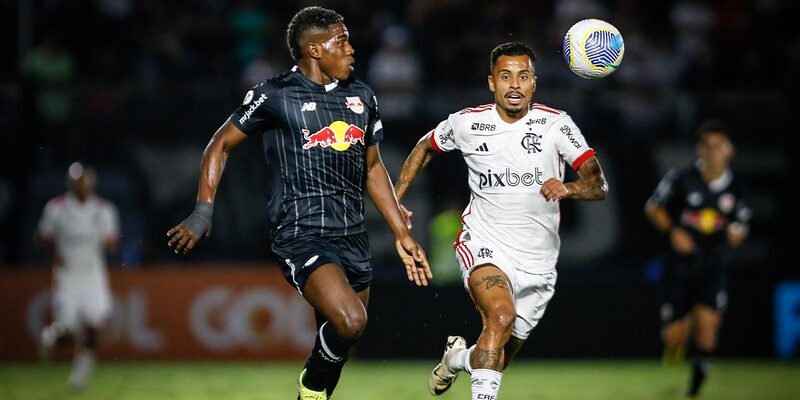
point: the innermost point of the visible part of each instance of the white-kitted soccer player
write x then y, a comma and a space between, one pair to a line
516, 152
77, 229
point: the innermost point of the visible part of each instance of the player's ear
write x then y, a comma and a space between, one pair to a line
731, 149
491, 83
313, 49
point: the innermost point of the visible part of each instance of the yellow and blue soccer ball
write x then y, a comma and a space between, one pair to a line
593, 48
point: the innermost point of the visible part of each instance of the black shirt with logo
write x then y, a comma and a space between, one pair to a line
314, 139
705, 210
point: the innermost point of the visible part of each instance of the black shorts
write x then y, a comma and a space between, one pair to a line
683, 293
300, 257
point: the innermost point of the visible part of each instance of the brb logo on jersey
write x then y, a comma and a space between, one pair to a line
480, 126
339, 135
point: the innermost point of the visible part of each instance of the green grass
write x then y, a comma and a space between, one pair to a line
396, 380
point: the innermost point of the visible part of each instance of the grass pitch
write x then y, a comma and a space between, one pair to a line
400, 380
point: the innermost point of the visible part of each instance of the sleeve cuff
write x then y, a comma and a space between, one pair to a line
235, 122
433, 142
582, 158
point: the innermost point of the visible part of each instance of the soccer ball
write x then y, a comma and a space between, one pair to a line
593, 48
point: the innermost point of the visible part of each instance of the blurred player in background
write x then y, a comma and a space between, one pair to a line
702, 212
508, 247
320, 131
76, 229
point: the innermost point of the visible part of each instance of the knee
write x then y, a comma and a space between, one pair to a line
501, 319
673, 337
351, 324
706, 342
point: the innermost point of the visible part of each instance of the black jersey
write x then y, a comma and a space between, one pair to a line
704, 209
315, 139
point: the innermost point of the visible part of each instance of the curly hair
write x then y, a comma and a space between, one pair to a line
308, 18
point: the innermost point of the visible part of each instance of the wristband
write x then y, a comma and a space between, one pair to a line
199, 221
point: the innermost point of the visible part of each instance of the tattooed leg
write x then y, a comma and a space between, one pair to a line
491, 281
487, 358
493, 297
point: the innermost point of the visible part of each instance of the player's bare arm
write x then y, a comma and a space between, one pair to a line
591, 184
420, 156
422, 153
680, 239
383, 196
111, 243
185, 235
48, 246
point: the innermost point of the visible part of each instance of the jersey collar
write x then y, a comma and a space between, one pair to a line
73, 201
333, 85
721, 183
499, 118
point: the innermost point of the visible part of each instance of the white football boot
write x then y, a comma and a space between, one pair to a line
441, 377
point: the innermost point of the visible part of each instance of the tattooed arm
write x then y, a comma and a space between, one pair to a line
420, 157
591, 184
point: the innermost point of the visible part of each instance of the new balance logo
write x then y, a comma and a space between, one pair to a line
311, 106
482, 147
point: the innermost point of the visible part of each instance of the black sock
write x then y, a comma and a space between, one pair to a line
324, 365
333, 377
701, 365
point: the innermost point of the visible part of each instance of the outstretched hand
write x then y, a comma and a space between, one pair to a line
183, 239
415, 260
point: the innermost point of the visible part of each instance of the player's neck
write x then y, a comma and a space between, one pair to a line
711, 172
510, 118
312, 71
80, 198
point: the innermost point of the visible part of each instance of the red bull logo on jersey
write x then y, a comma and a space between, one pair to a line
354, 104
339, 135
707, 220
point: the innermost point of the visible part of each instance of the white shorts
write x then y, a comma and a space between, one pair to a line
80, 302
531, 292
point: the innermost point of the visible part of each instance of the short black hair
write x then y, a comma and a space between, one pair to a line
711, 125
511, 49
308, 18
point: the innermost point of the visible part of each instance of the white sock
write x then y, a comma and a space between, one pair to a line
485, 384
82, 367
460, 361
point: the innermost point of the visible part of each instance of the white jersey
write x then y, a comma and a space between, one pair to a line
78, 231
508, 163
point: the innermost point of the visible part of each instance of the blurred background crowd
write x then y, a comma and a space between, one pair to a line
137, 88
